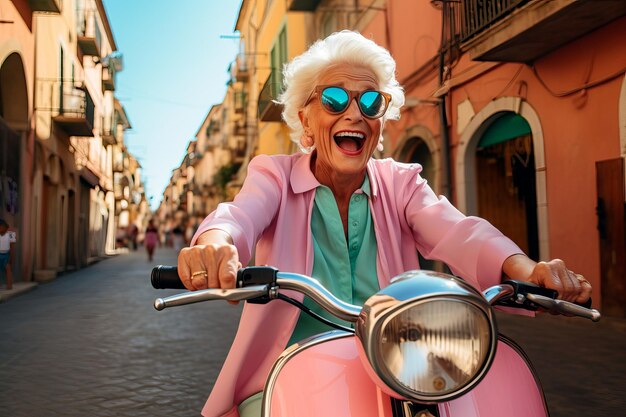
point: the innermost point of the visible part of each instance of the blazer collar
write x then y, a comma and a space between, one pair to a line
303, 180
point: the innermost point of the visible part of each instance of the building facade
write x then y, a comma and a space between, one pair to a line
17, 143
59, 125
517, 114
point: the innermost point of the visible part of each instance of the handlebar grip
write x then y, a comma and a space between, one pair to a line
166, 277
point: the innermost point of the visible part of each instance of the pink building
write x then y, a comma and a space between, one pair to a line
17, 59
532, 97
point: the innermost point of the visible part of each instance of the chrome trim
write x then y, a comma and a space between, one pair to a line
513, 345
409, 290
318, 293
498, 292
286, 356
235, 294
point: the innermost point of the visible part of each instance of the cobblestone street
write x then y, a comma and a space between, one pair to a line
91, 344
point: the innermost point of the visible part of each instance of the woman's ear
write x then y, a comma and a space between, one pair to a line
307, 136
303, 119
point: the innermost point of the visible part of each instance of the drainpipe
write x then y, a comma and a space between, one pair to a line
446, 189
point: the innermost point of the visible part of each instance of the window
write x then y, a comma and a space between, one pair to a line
278, 57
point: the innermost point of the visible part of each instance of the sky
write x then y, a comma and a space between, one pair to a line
175, 60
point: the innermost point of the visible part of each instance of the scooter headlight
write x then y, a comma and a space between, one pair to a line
428, 337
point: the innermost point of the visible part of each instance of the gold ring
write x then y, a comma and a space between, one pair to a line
199, 273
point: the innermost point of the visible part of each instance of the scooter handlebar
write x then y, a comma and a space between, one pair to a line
166, 277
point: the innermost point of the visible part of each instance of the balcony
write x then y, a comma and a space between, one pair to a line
525, 30
238, 151
120, 161
89, 35
118, 166
107, 132
70, 105
240, 101
213, 127
239, 128
303, 5
48, 6
239, 69
108, 78
269, 111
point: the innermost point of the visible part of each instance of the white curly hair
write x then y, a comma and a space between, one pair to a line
302, 74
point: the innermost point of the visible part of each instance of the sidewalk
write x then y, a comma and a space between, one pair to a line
18, 288
24, 287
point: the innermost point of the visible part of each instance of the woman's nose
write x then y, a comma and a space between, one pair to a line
353, 112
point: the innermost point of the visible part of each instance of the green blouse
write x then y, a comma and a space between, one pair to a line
347, 269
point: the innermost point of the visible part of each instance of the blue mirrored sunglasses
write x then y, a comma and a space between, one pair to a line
335, 100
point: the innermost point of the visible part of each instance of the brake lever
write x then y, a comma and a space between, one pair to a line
564, 307
234, 294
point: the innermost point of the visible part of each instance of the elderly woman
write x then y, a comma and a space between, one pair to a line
333, 212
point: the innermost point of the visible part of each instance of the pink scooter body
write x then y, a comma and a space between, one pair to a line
328, 379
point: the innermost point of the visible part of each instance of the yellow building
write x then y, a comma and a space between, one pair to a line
73, 200
270, 36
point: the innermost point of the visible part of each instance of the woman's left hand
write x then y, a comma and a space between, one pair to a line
554, 274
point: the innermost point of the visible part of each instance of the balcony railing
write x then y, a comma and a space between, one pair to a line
239, 69
213, 127
240, 101
89, 35
480, 14
108, 78
239, 128
526, 30
239, 150
269, 111
303, 5
70, 105
118, 165
49, 6
107, 132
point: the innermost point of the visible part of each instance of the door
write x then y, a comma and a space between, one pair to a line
506, 184
611, 228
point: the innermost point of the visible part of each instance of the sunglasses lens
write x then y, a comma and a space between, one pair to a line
334, 99
372, 104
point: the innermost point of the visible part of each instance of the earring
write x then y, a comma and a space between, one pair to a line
307, 139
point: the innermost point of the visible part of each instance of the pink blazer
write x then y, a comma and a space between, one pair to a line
273, 213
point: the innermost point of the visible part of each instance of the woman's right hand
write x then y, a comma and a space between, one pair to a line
211, 263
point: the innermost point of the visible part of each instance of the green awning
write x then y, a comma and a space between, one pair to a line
508, 126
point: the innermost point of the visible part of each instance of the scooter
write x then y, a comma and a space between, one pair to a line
427, 345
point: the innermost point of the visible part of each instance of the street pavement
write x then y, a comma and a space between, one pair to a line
91, 344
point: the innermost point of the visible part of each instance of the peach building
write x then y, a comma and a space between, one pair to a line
518, 113
17, 72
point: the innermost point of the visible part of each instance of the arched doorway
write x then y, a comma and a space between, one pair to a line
505, 179
416, 151
466, 183
611, 211
13, 125
420, 146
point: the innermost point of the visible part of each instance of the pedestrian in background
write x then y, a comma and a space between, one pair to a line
133, 231
151, 239
7, 241
178, 238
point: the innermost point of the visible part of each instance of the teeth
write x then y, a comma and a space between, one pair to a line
351, 134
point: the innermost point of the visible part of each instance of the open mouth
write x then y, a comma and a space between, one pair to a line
350, 142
